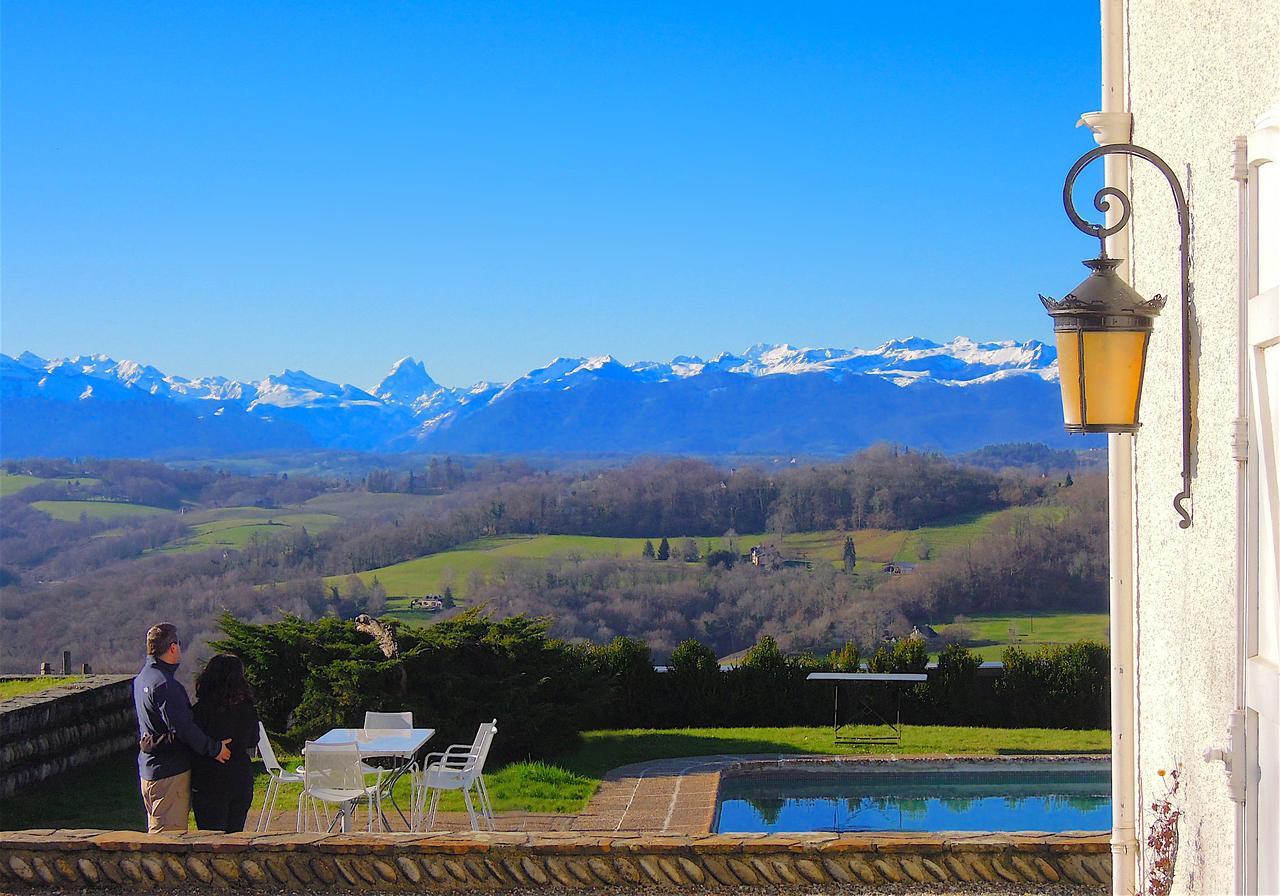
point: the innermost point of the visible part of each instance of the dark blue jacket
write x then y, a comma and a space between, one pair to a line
163, 707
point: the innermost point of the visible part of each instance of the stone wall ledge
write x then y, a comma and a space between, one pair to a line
120, 860
49, 708
48, 733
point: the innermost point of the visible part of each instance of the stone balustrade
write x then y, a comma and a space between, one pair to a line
47, 733
122, 860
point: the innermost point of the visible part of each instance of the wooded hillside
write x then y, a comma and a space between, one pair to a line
255, 546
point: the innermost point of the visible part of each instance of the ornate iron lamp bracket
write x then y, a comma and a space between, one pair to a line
1102, 202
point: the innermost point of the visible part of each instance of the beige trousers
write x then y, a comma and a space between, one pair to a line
168, 803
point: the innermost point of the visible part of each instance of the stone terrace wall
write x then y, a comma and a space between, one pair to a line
130, 861
49, 732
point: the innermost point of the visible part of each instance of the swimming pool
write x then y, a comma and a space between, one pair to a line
949, 796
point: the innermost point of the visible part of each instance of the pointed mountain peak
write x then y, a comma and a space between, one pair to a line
407, 361
406, 382
599, 362
32, 360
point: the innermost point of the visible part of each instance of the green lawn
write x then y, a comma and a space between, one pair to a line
105, 795
70, 511
990, 634
23, 686
604, 750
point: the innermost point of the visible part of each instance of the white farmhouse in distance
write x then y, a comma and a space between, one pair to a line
1196, 621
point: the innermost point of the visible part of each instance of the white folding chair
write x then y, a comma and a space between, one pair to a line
277, 778
333, 773
460, 767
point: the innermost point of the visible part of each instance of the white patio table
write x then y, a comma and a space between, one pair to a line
380, 743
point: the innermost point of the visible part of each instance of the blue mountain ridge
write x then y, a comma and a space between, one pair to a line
771, 399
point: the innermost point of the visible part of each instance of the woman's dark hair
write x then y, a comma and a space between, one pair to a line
222, 681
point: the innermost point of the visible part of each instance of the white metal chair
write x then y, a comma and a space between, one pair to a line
278, 777
392, 721
460, 767
333, 773
388, 721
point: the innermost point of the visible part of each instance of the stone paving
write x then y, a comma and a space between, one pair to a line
679, 796
284, 821
676, 796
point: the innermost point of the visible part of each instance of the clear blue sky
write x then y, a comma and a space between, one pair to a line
239, 187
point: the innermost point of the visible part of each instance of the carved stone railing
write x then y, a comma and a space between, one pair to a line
120, 860
47, 733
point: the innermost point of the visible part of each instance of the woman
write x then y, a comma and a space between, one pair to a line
221, 793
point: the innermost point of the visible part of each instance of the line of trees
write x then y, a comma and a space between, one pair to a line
312, 676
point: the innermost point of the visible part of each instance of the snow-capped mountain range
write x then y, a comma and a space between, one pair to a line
771, 398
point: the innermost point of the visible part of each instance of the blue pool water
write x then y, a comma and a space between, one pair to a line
1001, 798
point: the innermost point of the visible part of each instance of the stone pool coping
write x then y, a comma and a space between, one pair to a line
680, 796
130, 861
602, 853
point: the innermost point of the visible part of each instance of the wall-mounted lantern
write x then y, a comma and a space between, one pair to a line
1102, 327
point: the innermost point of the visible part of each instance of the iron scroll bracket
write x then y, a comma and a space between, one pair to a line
1102, 202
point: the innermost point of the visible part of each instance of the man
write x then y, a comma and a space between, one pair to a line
167, 735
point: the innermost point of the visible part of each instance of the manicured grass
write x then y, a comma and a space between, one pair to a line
23, 686
70, 511
605, 750
102, 795
106, 795
991, 634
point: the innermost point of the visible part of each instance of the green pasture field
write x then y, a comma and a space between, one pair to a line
70, 511
951, 535
11, 483
991, 634
105, 795
430, 574
235, 527
875, 547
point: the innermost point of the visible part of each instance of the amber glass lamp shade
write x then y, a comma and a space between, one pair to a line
1102, 329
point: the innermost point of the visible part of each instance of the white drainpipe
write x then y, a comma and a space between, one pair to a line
1235, 757
1114, 124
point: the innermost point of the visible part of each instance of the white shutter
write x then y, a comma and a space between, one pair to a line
1262, 635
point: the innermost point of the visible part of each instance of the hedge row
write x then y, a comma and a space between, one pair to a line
312, 676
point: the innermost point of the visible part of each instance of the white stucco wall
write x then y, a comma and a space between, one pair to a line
1200, 73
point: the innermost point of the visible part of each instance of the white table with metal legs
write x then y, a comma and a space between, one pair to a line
380, 743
